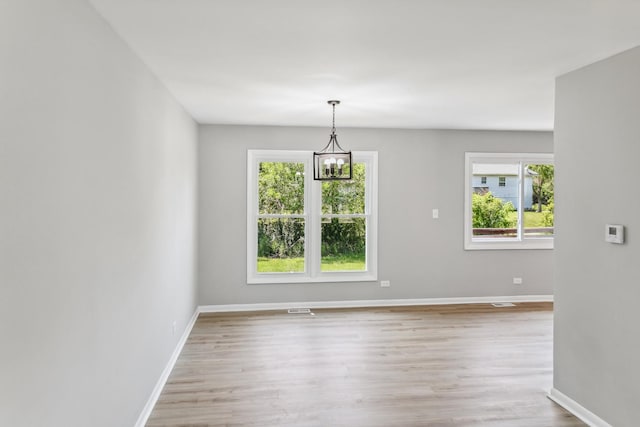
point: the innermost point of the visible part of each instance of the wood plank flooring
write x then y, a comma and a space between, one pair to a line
455, 365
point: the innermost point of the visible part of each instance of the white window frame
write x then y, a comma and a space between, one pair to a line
312, 216
519, 242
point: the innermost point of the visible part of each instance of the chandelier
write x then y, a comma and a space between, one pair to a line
332, 162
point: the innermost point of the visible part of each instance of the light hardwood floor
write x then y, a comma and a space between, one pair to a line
455, 365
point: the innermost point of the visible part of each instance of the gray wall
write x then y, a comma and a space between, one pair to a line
97, 205
597, 134
418, 171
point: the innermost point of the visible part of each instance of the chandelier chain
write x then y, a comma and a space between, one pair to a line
333, 129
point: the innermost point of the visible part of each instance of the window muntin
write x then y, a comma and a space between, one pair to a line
301, 230
505, 216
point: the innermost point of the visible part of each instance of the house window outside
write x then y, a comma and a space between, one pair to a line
483, 180
300, 230
515, 209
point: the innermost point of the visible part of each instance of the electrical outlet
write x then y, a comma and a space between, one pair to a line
435, 213
174, 328
385, 283
517, 280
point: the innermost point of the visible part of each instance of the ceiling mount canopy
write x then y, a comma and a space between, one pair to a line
332, 162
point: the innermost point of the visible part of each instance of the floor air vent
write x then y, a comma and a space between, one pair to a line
503, 304
300, 311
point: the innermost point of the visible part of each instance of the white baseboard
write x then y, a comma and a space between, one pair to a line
155, 394
371, 303
576, 409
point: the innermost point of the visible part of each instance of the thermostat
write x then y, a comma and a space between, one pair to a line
614, 233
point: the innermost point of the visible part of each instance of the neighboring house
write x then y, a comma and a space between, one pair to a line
502, 181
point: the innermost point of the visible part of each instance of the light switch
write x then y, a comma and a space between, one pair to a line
435, 213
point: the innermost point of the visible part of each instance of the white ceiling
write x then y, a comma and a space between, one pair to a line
449, 64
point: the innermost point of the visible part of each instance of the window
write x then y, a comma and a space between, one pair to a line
300, 230
516, 211
483, 180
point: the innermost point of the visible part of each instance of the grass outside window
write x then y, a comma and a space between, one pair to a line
329, 263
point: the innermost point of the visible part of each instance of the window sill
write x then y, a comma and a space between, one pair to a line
337, 277
507, 244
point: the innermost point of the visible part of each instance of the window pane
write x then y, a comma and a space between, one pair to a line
280, 245
539, 201
344, 244
281, 188
494, 201
345, 197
